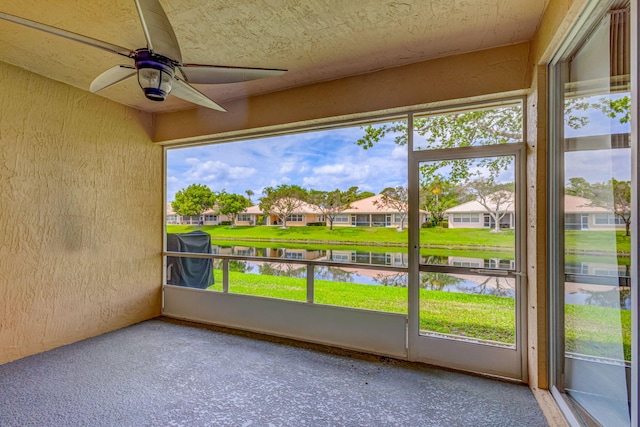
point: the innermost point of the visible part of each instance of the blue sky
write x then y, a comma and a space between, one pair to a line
322, 160
330, 159
599, 165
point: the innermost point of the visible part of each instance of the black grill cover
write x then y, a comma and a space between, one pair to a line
190, 272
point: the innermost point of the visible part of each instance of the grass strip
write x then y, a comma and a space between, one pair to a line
589, 330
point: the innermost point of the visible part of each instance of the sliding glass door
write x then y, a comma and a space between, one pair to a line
591, 234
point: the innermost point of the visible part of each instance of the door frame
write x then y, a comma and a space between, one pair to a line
468, 355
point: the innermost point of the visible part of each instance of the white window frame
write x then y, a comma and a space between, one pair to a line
295, 218
465, 218
607, 219
342, 218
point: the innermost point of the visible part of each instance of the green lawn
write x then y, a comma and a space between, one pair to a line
598, 331
435, 238
483, 317
598, 241
360, 236
590, 330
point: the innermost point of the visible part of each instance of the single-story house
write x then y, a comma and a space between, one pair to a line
363, 213
208, 217
474, 215
579, 214
305, 214
370, 212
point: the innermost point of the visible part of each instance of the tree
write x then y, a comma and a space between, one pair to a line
396, 199
611, 107
489, 126
193, 200
359, 195
615, 196
282, 201
231, 205
249, 193
332, 203
438, 281
579, 187
437, 196
496, 198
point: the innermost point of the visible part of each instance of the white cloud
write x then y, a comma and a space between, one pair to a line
399, 152
330, 169
215, 170
343, 176
599, 165
323, 160
287, 167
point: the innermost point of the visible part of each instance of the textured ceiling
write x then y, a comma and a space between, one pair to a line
316, 40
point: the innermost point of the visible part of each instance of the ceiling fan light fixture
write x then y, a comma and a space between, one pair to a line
155, 75
155, 65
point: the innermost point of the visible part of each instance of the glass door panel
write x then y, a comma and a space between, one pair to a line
468, 306
469, 275
593, 265
595, 151
468, 228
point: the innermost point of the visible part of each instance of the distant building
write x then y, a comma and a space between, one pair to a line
304, 215
363, 213
208, 217
369, 212
579, 215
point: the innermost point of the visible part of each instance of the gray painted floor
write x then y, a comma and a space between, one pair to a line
166, 373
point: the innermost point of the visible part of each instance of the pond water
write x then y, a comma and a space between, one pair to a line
356, 271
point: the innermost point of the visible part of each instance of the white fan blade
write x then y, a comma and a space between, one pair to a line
183, 91
112, 76
68, 35
158, 30
213, 74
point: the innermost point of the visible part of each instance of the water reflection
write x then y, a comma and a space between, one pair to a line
585, 285
389, 258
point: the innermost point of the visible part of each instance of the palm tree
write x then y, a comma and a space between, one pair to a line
249, 193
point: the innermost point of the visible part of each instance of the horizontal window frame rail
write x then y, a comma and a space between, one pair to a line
313, 263
309, 264
449, 269
594, 279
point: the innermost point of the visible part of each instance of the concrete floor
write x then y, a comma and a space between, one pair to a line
169, 373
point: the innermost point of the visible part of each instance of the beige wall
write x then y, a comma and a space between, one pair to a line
80, 215
482, 74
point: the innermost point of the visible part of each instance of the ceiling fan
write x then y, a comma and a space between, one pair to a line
159, 65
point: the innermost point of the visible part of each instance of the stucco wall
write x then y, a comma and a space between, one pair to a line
482, 74
80, 215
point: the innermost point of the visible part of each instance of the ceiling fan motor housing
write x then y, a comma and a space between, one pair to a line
155, 74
